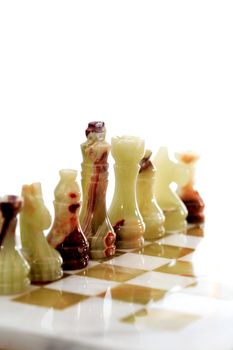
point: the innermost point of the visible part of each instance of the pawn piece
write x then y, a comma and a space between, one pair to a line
173, 208
44, 260
93, 217
188, 193
124, 213
66, 234
14, 269
152, 215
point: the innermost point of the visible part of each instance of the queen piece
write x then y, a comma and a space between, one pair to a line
93, 217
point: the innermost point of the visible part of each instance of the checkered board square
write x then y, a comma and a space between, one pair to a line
137, 288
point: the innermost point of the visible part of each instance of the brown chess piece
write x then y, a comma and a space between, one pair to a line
188, 193
66, 234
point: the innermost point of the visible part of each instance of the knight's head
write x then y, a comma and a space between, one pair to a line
34, 210
165, 167
169, 170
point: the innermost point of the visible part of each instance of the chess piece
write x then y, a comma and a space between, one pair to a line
152, 215
124, 214
189, 195
93, 217
66, 234
14, 269
44, 260
173, 208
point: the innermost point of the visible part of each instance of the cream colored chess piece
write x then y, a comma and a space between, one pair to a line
44, 260
152, 215
124, 214
174, 209
94, 219
14, 269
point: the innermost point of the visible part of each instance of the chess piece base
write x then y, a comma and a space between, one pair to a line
175, 221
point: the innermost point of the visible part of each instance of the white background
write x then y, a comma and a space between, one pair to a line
159, 69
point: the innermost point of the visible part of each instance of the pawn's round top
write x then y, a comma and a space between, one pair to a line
68, 174
188, 158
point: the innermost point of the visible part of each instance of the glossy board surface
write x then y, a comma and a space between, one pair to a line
166, 293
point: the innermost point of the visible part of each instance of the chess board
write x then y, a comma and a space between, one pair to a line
151, 298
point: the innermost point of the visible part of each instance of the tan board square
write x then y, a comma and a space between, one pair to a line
111, 272
164, 251
197, 231
161, 319
50, 298
182, 268
135, 294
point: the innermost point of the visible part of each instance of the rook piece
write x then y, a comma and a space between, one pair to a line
44, 260
173, 208
152, 215
124, 213
66, 234
188, 193
14, 269
93, 217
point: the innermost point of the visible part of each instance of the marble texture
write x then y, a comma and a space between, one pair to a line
162, 295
